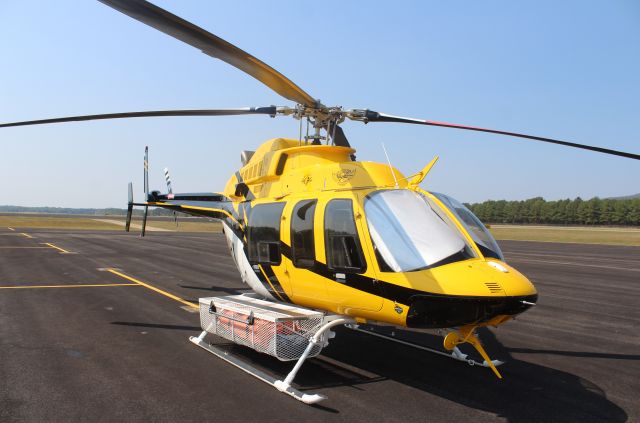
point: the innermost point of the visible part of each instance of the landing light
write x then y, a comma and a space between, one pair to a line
498, 266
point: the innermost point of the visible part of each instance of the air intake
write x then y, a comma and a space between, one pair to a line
494, 287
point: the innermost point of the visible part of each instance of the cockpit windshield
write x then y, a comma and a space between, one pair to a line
481, 236
411, 233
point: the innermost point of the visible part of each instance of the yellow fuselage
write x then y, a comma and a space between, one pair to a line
286, 171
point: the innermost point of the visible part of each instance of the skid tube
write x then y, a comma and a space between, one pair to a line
283, 386
455, 354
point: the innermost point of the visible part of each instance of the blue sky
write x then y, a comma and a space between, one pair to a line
568, 70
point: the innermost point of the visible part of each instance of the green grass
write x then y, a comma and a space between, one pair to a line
575, 234
183, 225
87, 223
25, 222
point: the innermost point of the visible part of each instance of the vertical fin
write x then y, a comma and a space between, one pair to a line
146, 172
146, 189
168, 179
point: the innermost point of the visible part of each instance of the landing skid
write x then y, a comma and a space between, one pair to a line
242, 365
455, 354
283, 386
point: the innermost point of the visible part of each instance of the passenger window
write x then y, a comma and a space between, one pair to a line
263, 234
302, 244
344, 252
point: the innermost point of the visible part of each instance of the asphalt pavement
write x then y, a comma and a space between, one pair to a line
81, 343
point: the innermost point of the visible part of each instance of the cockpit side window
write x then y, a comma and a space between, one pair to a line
481, 236
342, 244
263, 234
302, 241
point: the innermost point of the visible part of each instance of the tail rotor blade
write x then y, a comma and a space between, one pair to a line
129, 208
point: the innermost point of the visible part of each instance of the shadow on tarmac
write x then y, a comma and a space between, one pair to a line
158, 326
218, 289
528, 393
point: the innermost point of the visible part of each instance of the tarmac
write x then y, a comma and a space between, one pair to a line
94, 326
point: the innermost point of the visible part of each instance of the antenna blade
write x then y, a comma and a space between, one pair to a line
371, 116
415, 181
211, 45
270, 110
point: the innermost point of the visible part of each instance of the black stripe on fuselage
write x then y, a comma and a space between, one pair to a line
275, 282
263, 280
406, 296
426, 309
249, 195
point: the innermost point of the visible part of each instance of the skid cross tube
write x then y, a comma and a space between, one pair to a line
284, 385
320, 336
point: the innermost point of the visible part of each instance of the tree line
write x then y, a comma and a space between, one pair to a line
595, 211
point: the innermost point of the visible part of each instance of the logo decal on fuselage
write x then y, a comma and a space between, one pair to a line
344, 175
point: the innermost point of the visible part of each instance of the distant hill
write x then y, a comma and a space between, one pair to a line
628, 197
83, 211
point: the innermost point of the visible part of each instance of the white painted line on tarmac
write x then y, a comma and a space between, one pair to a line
190, 309
133, 225
568, 263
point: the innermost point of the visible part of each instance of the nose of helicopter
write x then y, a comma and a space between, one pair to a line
496, 289
500, 275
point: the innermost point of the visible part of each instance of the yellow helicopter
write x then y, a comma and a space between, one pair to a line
319, 235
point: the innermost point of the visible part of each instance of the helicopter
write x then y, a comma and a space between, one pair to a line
321, 236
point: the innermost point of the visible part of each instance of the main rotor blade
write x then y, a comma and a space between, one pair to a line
371, 116
156, 113
211, 45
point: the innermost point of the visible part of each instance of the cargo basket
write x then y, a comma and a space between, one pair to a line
280, 330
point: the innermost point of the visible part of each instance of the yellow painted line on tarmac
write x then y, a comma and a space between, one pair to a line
151, 287
67, 286
27, 235
62, 250
11, 229
11, 248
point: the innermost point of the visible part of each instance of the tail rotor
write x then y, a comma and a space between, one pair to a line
129, 208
